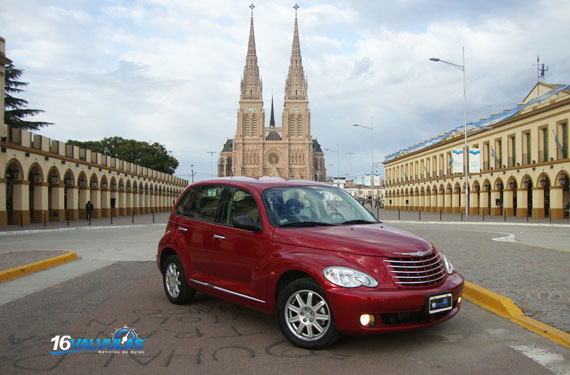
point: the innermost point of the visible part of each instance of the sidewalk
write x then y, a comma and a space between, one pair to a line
383, 214
159, 217
24, 261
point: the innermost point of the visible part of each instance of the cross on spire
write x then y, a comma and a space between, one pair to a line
251, 7
296, 7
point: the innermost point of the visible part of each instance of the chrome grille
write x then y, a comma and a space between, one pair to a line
416, 271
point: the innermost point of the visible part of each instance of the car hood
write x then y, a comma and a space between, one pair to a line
367, 239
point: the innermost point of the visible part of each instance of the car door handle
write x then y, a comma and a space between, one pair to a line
218, 237
182, 229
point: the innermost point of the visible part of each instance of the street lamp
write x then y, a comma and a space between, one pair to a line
465, 151
211, 162
337, 162
350, 163
371, 128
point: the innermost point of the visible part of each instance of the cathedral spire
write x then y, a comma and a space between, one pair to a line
296, 84
272, 118
251, 43
251, 86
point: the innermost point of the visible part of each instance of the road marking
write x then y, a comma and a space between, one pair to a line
507, 238
552, 361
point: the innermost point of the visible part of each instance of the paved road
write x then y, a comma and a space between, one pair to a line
214, 337
115, 282
529, 264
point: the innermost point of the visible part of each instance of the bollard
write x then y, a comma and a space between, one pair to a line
111, 216
153, 216
461, 215
398, 214
133, 217
420, 215
483, 215
45, 219
505, 216
550, 215
440, 215
21, 221
67, 217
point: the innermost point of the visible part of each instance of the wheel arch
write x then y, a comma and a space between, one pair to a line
286, 278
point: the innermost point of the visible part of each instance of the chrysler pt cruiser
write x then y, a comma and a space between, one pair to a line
308, 253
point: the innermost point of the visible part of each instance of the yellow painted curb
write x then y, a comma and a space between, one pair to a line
37, 266
506, 308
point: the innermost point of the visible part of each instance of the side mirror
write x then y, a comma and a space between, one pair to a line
245, 222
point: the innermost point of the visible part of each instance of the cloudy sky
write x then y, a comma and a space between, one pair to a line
169, 71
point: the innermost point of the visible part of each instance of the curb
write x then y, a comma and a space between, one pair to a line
505, 307
37, 266
493, 223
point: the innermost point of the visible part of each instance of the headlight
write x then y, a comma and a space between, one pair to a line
348, 278
448, 265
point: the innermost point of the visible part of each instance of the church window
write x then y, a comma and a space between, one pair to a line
299, 126
246, 126
254, 126
292, 127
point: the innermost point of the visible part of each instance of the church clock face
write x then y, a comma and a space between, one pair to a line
273, 159
296, 110
250, 109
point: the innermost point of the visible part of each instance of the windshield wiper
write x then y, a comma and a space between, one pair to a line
359, 221
306, 224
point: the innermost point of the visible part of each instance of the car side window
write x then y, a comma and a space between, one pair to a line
204, 203
183, 208
240, 202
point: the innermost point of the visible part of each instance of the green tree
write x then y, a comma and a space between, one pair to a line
15, 111
154, 156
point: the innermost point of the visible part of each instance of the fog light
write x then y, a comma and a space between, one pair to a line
367, 320
459, 300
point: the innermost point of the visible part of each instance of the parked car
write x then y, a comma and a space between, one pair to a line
324, 269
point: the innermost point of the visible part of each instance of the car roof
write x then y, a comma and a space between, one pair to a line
260, 183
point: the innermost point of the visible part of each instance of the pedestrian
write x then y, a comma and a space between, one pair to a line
89, 210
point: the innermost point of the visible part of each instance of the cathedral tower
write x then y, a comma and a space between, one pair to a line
287, 151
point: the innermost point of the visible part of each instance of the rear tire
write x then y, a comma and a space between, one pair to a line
304, 315
174, 281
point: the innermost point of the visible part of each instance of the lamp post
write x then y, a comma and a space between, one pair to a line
371, 128
337, 162
465, 151
350, 163
212, 162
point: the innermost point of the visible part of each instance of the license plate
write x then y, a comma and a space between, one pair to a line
439, 303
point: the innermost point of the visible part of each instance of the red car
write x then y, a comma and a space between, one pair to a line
308, 252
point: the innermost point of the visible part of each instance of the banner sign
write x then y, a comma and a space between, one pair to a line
474, 160
367, 179
457, 160
376, 179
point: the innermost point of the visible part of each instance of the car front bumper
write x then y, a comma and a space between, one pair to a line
397, 309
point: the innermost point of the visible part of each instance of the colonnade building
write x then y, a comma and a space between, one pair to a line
42, 179
524, 163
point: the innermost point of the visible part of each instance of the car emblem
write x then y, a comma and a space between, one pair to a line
416, 254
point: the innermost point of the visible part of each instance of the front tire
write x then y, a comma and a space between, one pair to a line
304, 315
174, 281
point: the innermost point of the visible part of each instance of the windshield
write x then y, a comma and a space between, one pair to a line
299, 206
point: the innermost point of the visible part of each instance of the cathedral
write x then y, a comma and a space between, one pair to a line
286, 151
